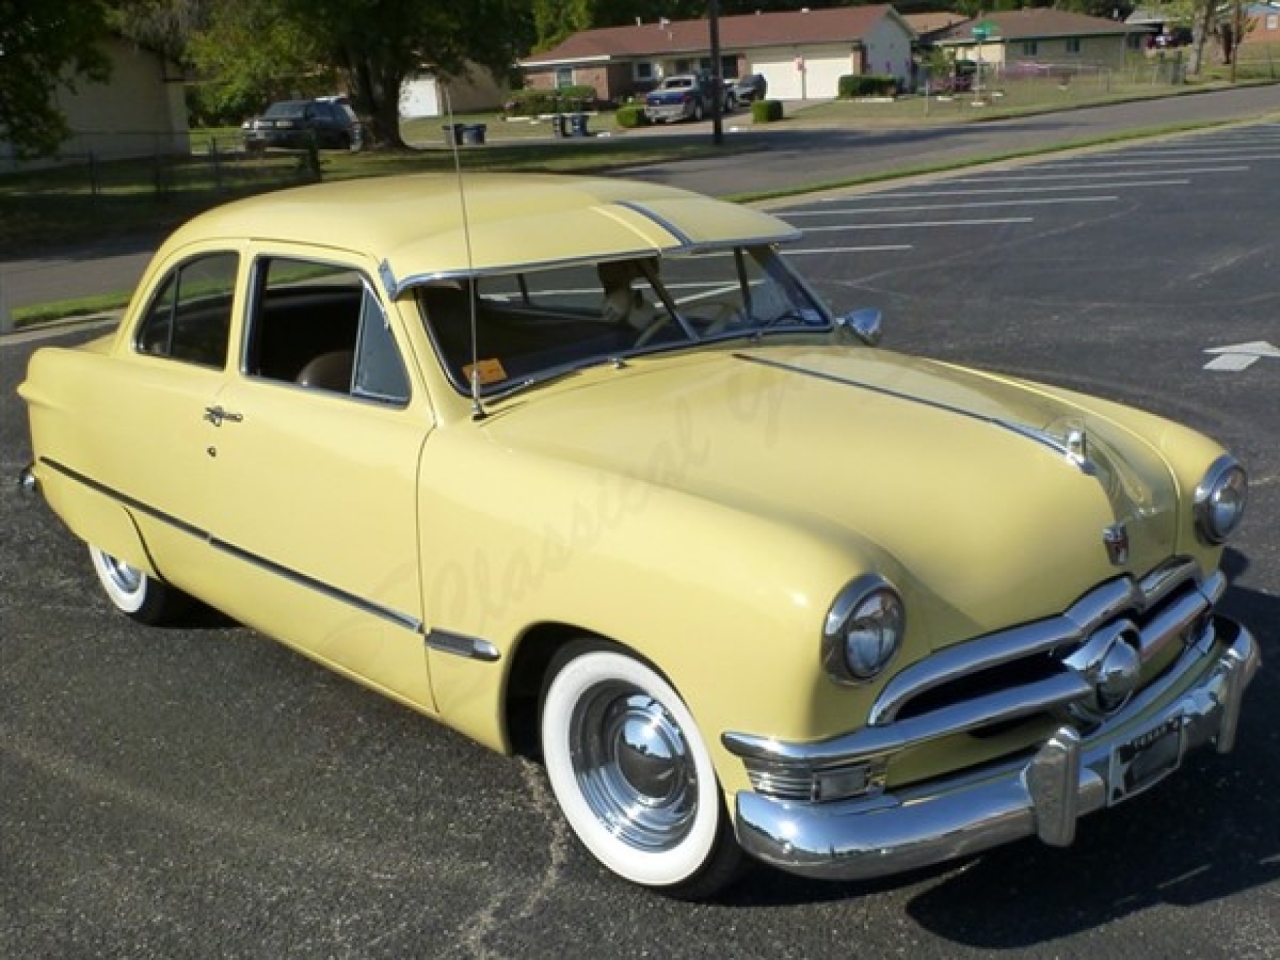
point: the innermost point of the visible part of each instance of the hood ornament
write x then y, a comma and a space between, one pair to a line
1077, 445
1116, 540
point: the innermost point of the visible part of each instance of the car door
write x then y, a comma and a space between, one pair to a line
313, 494
150, 422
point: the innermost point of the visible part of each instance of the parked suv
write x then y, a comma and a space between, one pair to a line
327, 121
751, 87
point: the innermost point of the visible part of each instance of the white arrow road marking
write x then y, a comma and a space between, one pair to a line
1240, 356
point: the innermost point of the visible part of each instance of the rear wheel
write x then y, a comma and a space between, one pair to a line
135, 593
632, 774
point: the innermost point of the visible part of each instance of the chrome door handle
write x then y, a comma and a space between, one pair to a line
216, 415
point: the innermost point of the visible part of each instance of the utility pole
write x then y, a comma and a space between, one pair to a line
1237, 29
717, 80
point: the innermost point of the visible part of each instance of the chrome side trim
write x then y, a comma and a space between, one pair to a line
1046, 440
460, 645
403, 620
691, 245
1044, 794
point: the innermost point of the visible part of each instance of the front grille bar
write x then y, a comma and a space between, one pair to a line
1067, 630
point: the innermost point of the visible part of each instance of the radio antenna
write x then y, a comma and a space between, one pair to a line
473, 377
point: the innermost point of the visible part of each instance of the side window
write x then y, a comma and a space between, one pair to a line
189, 318
318, 325
379, 374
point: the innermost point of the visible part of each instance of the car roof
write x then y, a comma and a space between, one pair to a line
413, 225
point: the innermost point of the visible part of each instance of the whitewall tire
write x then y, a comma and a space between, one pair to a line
632, 774
134, 592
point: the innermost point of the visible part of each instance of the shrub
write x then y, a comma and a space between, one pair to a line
766, 111
631, 115
533, 102
867, 85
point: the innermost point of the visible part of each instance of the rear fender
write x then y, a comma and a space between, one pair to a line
96, 518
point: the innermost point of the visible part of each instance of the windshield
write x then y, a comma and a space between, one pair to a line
287, 108
534, 325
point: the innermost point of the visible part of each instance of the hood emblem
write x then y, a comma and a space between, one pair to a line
1116, 540
1077, 445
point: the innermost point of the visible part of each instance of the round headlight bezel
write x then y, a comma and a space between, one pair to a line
1220, 500
863, 630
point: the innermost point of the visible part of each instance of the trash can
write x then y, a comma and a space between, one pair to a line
473, 133
452, 134
579, 121
558, 125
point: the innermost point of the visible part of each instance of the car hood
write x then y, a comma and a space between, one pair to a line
959, 480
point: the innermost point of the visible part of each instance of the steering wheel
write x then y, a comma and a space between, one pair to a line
723, 315
648, 333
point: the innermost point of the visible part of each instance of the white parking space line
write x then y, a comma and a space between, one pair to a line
979, 204
883, 248
1093, 176
978, 191
1145, 160
995, 221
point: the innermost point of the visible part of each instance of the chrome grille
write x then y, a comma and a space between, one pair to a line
1167, 606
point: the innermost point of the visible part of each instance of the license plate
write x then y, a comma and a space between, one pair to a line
1145, 760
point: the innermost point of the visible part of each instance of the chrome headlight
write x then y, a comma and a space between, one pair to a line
1220, 500
863, 630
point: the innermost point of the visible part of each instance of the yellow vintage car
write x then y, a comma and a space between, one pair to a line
582, 468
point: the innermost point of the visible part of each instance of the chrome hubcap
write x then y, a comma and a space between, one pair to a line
126, 578
633, 766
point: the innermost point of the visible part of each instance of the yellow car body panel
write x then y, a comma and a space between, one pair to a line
702, 503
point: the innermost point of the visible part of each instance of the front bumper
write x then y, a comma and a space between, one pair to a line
668, 113
1068, 777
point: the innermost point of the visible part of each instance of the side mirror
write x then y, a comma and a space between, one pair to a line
864, 324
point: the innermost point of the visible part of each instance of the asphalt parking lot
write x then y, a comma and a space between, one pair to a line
203, 792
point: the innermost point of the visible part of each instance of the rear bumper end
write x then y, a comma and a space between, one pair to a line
1070, 775
28, 482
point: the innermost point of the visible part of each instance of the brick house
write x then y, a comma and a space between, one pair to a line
1263, 21
802, 54
1043, 35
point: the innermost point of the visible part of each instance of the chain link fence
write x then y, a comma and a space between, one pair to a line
122, 182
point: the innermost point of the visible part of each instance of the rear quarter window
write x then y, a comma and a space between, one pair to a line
188, 319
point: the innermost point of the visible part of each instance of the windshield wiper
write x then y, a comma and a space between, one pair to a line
554, 374
797, 315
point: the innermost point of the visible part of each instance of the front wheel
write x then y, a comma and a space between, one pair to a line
133, 592
632, 774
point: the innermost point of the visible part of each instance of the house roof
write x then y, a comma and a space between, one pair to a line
927, 23
1150, 16
834, 25
1037, 23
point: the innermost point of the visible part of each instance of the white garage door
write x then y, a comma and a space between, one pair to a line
813, 75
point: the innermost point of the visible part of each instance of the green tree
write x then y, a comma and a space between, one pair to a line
43, 45
554, 20
370, 45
